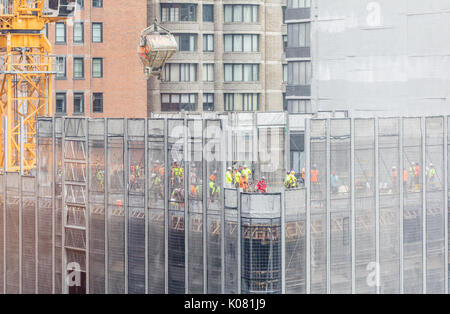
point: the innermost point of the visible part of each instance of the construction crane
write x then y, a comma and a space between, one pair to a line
156, 46
26, 75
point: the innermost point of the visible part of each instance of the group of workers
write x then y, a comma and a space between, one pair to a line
240, 176
412, 175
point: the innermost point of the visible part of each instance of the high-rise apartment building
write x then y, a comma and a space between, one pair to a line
230, 56
99, 73
298, 56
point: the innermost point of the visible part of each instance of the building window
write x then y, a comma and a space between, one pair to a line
97, 67
178, 12
78, 103
241, 102
97, 3
295, 4
208, 102
241, 43
186, 42
283, 11
299, 106
180, 72
285, 73
60, 103
97, 32
45, 30
178, 102
208, 42
60, 33
208, 13
285, 103
208, 72
241, 72
243, 13
80, 4
97, 102
78, 32
299, 73
78, 68
285, 42
60, 67
299, 35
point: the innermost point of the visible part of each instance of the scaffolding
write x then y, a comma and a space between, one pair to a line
141, 206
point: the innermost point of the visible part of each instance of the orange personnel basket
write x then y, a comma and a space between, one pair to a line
156, 46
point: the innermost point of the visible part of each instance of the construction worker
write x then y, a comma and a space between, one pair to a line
246, 172
100, 175
177, 197
431, 175
261, 186
303, 175
411, 176
405, 180
243, 182
286, 179
212, 176
229, 177
334, 182
214, 190
417, 177
156, 186
314, 175
237, 178
394, 179
291, 180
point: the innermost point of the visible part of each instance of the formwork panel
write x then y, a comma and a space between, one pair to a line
214, 173
412, 202
156, 221
96, 171
434, 167
295, 239
116, 211
318, 240
12, 232
176, 168
44, 217
28, 234
231, 241
340, 207
390, 178
136, 212
365, 215
196, 186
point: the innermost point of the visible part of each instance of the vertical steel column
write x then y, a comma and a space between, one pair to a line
186, 207
146, 210
223, 142
21, 138
5, 167
283, 241
308, 202
166, 208
402, 169
204, 206
238, 191
88, 209
63, 203
328, 205
352, 191
377, 207
126, 186
106, 201
445, 203
36, 189
424, 207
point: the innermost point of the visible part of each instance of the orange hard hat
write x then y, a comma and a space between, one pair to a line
118, 203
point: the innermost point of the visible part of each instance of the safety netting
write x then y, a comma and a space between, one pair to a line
28, 234
231, 258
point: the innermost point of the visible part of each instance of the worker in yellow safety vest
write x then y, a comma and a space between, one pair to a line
286, 179
229, 177
246, 172
292, 180
237, 178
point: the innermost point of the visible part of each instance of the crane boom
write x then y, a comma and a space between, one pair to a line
25, 76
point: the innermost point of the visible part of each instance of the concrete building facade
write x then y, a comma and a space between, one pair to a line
229, 58
99, 73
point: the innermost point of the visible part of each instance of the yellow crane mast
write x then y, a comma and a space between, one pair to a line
26, 75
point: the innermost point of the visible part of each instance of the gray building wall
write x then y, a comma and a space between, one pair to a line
381, 56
